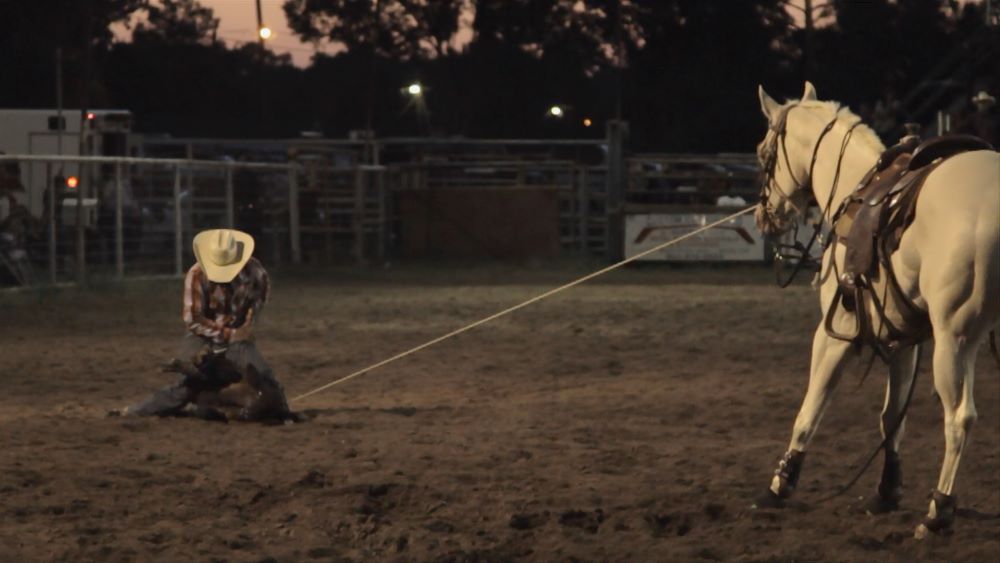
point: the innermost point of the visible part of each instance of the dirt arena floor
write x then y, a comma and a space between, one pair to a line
630, 419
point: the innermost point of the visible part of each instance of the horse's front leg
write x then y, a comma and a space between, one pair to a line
954, 362
890, 487
829, 356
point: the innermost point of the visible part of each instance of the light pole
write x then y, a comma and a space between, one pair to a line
416, 93
260, 29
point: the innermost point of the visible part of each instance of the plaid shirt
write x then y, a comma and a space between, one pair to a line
215, 310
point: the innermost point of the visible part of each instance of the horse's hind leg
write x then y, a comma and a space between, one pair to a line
890, 487
954, 362
828, 358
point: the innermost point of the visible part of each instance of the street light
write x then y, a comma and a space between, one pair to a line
265, 32
414, 89
556, 111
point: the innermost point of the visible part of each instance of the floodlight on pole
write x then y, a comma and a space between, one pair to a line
260, 27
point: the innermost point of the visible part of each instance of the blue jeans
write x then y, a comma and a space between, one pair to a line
241, 358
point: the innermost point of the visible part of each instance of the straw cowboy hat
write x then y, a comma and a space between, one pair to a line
222, 253
983, 98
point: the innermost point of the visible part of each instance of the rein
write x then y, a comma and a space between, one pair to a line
889, 436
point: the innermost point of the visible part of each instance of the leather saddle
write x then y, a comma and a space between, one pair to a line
871, 221
884, 203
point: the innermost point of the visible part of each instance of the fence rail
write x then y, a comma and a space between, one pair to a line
133, 216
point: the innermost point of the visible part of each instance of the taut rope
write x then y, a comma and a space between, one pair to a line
526, 303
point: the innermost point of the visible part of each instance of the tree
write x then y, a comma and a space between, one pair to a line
691, 86
398, 29
593, 33
810, 10
30, 33
178, 21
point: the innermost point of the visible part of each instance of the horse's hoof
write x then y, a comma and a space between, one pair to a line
940, 519
923, 532
769, 500
878, 505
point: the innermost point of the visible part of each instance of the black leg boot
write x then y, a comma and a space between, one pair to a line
941, 516
890, 488
787, 473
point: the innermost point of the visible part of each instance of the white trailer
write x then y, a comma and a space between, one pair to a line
101, 132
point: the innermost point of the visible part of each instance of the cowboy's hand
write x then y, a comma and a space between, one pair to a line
202, 356
245, 330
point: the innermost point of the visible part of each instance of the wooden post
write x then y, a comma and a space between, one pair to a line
230, 211
583, 208
617, 140
359, 215
382, 219
81, 237
293, 213
50, 186
189, 181
119, 226
178, 224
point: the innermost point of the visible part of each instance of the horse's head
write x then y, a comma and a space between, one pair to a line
786, 160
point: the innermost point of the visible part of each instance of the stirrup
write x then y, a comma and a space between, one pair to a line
838, 301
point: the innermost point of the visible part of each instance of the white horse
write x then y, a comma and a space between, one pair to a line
947, 264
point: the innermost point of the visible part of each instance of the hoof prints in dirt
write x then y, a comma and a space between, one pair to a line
714, 510
313, 479
586, 521
528, 521
663, 525
439, 526
326, 554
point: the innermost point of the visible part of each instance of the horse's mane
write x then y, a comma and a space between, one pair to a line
862, 133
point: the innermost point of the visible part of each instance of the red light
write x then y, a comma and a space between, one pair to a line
90, 116
72, 182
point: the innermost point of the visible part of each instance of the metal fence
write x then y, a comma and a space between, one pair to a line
691, 179
136, 216
576, 168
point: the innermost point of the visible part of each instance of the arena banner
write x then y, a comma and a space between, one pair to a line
735, 241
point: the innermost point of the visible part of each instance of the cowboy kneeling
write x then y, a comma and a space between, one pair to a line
223, 292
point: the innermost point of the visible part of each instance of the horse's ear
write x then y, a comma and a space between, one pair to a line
810, 92
767, 104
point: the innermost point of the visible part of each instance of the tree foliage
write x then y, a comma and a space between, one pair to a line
401, 29
30, 32
179, 21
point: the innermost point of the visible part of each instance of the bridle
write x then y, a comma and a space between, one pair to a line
796, 252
